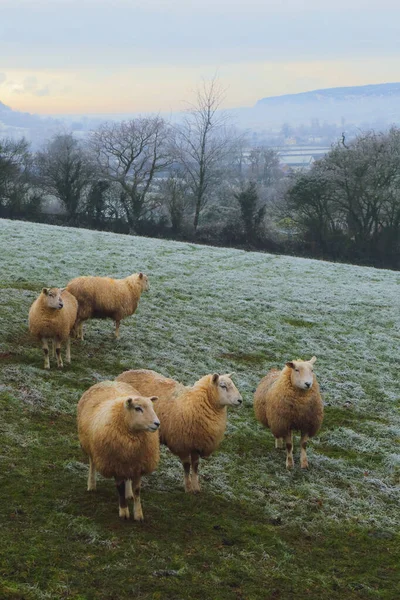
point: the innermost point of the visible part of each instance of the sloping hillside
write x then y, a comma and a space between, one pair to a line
256, 531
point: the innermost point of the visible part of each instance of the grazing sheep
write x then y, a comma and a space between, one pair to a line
193, 419
52, 316
289, 400
115, 426
106, 298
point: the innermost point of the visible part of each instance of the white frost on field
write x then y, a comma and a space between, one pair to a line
214, 309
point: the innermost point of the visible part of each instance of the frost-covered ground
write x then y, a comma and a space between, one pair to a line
212, 309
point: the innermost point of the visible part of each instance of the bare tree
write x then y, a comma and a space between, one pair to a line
130, 154
202, 144
65, 171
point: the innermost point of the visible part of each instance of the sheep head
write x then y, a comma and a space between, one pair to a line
144, 280
139, 413
227, 392
53, 297
301, 373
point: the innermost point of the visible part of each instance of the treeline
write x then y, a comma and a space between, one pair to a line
200, 181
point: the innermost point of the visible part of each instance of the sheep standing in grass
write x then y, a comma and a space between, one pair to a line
115, 426
193, 419
287, 401
106, 298
52, 317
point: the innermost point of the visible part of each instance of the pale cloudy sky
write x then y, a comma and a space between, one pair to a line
119, 56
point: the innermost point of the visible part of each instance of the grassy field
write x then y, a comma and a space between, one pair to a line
256, 531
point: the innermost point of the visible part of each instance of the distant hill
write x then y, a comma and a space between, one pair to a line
35, 128
367, 105
343, 94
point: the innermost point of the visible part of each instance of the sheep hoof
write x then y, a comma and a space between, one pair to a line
289, 464
304, 465
138, 517
91, 488
124, 513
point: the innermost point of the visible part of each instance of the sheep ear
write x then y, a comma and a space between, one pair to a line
154, 398
290, 365
62, 290
129, 402
140, 275
312, 360
215, 378
45, 291
230, 375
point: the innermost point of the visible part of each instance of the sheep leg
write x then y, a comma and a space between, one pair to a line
58, 354
195, 472
68, 351
303, 453
45, 347
123, 505
53, 349
289, 450
91, 484
78, 330
128, 489
117, 329
279, 443
186, 467
137, 507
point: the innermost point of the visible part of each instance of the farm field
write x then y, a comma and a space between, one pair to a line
256, 531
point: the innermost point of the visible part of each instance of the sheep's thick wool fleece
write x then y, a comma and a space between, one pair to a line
103, 297
191, 418
45, 322
115, 451
282, 407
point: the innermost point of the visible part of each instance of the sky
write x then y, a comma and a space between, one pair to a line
125, 56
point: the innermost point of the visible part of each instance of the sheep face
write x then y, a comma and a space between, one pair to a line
53, 297
301, 373
228, 394
140, 415
144, 281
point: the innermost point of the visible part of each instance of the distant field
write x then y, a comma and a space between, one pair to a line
256, 531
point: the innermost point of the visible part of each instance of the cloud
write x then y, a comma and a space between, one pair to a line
3, 77
30, 86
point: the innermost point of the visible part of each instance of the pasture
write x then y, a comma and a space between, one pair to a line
256, 531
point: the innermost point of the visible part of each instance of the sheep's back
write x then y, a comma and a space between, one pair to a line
151, 383
102, 297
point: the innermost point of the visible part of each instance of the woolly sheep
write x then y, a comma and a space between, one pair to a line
116, 426
52, 316
193, 419
103, 297
290, 400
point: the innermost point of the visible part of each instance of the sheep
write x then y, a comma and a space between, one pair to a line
116, 426
290, 400
103, 297
193, 419
52, 316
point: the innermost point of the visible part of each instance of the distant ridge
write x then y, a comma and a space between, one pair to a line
336, 93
